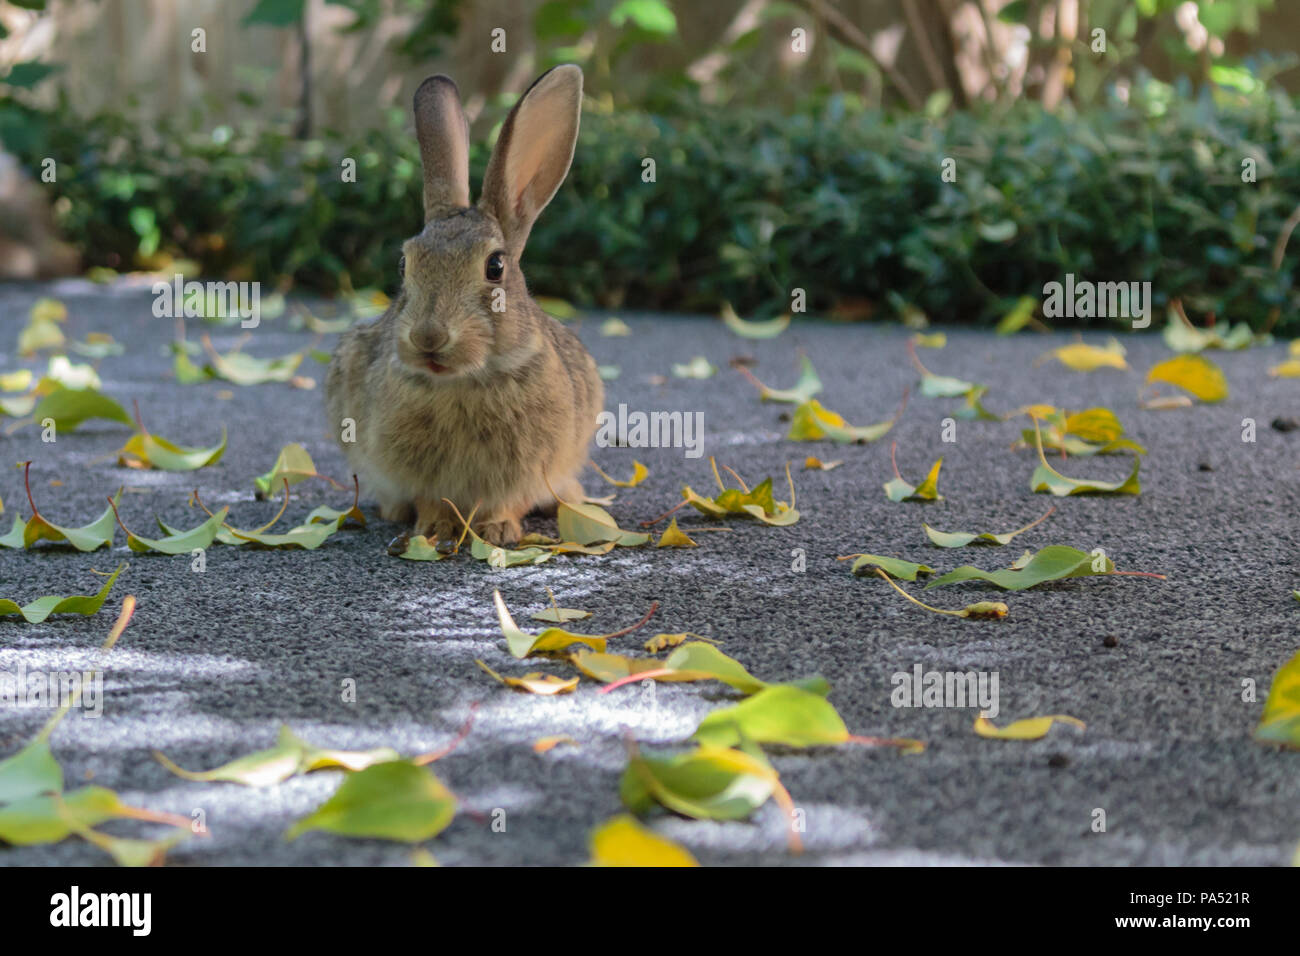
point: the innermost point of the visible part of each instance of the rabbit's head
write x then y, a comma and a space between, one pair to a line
464, 306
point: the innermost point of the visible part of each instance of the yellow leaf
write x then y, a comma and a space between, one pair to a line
536, 682
639, 474
812, 463
936, 340
48, 310
1032, 728
625, 842
674, 537
661, 642
1193, 373
1288, 369
614, 327
1088, 358
546, 744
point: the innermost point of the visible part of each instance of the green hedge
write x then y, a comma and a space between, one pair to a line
849, 206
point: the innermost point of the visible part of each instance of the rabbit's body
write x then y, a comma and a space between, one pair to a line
465, 389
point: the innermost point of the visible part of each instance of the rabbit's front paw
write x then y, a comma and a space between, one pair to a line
502, 532
436, 521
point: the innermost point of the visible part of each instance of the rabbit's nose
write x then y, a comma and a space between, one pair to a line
429, 341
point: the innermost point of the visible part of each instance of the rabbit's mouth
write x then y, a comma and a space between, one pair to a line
434, 366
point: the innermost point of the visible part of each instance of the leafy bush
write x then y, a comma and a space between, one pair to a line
746, 205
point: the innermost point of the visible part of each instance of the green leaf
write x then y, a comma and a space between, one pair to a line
591, 524
396, 800
550, 641
1280, 722
1055, 562
781, 714
959, 539
143, 450
420, 548
290, 757
53, 817
99, 533
293, 465
754, 330
809, 384
812, 422
897, 567
182, 542
708, 783
896, 489
1047, 479
26, 75
30, 772
69, 407
38, 610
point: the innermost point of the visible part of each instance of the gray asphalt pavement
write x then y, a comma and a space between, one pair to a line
214, 662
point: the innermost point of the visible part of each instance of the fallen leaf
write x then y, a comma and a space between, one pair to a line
1192, 373
1046, 478
786, 715
239, 368
935, 340
536, 682
754, 330
560, 615
982, 610
91, 537
959, 539
816, 464
807, 386
69, 407
178, 543
1032, 728
1288, 369
623, 841
1055, 562
145, 450
552, 640
591, 524
758, 503
639, 474
897, 567
674, 537
1088, 358
698, 367
812, 422
396, 800
707, 783
38, 610
614, 326
293, 464
546, 744
290, 757
1280, 721
896, 489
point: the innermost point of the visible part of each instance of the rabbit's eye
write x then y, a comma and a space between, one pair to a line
401, 266
495, 267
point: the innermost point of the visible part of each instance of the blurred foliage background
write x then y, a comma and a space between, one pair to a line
796, 144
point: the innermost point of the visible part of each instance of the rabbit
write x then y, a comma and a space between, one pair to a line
464, 389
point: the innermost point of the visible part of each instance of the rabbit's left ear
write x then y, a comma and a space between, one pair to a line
533, 153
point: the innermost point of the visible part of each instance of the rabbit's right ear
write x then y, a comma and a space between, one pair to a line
443, 132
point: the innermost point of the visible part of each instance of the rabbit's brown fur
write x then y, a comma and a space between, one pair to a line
451, 398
